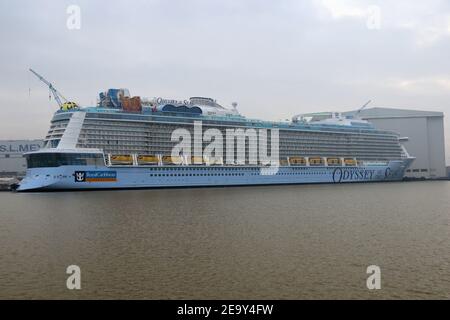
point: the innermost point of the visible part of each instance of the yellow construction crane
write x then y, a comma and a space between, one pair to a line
66, 105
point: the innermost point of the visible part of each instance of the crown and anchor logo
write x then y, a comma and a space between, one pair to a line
80, 176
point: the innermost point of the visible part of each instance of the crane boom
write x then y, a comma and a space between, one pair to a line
58, 96
363, 107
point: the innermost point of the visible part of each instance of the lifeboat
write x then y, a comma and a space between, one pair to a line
297, 161
334, 162
169, 160
316, 161
147, 159
122, 159
214, 161
196, 160
350, 162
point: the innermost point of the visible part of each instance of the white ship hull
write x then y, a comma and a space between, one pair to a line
129, 177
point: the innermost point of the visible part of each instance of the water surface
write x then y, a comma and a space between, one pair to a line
274, 242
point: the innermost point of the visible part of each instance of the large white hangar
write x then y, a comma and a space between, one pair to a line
425, 130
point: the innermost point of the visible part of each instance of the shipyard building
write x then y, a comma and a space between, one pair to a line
425, 133
12, 162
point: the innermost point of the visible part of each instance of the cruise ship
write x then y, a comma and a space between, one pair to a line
128, 142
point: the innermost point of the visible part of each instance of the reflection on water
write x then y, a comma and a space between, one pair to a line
276, 242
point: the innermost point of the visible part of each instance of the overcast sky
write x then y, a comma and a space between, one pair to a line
275, 58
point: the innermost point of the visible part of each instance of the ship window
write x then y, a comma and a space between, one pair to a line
40, 160
54, 143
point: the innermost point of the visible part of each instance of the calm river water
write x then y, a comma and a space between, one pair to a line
277, 242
